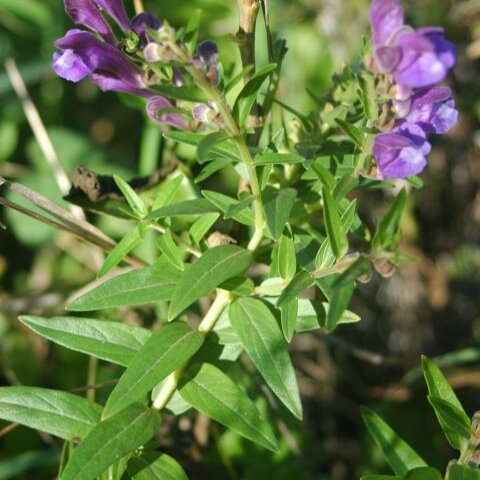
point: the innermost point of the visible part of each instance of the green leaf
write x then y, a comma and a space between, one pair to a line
213, 268
424, 473
299, 283
263, 340
205, 147
224, 202
438, 388
189, 94
136, 203
19, 465
246, 98
454, 422
324, 175
287, 260
121, 250
335, 230
277, 205
111, 341
381, 477
166, 350
339, 302
399, 455
387, 235
198, 206
361, 267
155, 466
289, 314
61, 414
212, 167
462, 472
169, 248
225, 149
237, 78
234, 210
138, 287
200, 227
356, 135
312, 315
167, 192
271, 158
211, 392
110, 441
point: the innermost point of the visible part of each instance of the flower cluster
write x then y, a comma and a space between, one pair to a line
123, 65
409, 64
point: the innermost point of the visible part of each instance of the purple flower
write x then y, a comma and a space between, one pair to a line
425, 57
386, 18
83, 54
142, 22
416, 59
88, 14
156, 104
402, 152
206, 59
433, 109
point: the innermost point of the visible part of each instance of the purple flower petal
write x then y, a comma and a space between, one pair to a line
83, 54
117, 11
70, 66
401, 153
87, 13
207, 51
141, 22
425, 61
433, 109
156, 104
386, 17
387, 58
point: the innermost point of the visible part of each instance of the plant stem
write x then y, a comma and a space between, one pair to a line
222, 299
232, 129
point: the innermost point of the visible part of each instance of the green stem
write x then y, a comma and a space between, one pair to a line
233, 130
165, 394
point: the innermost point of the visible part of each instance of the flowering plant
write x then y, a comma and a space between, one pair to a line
240, 276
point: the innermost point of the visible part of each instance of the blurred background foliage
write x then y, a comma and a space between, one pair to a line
431, 306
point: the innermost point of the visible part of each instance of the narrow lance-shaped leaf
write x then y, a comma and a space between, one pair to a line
169, 248
110, 441
200, 227
211, 392
263, 341
387, 236
424, 473
355, 134
439, 388
299, 283
139, 287
166, 350
136, 203
167, 192
205, 147
121, 250
155, 466
339, 301
271, 158
289, 319
399, 455
111, 341
454, 423
277, 205
198, 206
335, 230
213, 268
61, 414
287, 259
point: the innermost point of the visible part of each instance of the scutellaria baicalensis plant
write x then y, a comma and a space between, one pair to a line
235, 276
